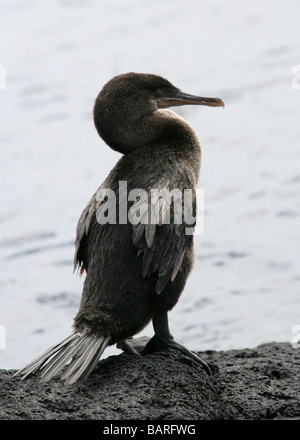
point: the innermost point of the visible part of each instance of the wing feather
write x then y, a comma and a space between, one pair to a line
163, 246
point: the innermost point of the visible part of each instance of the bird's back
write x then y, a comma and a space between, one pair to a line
123, 271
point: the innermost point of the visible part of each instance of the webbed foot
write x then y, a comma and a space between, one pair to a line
133, 345
163, 338
156, 342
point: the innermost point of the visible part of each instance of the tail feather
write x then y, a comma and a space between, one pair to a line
80, 352
81, 367
91, 366
38, 362
82, 356
62, 358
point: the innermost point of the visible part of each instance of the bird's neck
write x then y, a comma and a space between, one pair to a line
180, 139
126, 134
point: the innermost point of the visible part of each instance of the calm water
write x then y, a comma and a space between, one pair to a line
245, 286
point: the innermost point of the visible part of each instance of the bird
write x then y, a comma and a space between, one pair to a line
135, 271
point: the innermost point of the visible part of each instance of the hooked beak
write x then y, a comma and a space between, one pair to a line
180, 98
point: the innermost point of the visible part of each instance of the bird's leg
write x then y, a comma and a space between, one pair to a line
163, 338
133, 346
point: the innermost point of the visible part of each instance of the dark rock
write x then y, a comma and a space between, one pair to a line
263, 383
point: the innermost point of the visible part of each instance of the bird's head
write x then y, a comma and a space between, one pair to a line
128, 98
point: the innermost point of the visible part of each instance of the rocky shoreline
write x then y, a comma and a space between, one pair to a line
254, 384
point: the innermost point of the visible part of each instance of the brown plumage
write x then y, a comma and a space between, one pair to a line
134, 272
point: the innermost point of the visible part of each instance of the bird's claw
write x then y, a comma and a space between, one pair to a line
157, 342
